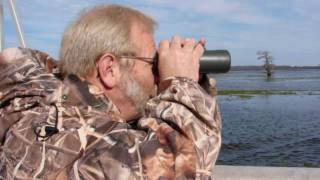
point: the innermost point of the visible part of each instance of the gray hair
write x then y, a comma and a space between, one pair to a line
99, 30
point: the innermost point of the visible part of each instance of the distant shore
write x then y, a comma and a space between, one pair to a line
283, 67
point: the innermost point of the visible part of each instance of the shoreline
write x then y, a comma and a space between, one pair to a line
281, 67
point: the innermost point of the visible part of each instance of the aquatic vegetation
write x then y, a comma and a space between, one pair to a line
313, 93
256, 92
310, 165
244, 97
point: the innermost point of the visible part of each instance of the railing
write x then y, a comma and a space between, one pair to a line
15, 18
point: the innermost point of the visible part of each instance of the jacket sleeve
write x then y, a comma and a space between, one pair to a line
189, 111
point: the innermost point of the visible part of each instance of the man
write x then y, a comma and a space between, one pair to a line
110, 117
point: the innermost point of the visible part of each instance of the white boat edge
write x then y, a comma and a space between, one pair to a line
224, 172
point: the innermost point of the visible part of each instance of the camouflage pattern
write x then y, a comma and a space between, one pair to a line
80, 136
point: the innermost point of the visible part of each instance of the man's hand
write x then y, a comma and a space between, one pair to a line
180, 57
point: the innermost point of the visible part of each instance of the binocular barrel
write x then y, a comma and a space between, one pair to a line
215, 61
212, 61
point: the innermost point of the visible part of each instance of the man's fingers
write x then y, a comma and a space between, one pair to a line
176, 42
189, 45
181, 58
164, 44
202, 41
199, 50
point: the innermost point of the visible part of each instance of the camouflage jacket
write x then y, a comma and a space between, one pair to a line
66, 129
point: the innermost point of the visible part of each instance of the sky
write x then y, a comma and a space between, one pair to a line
289, 29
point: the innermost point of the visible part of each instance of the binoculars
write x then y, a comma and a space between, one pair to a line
212, 61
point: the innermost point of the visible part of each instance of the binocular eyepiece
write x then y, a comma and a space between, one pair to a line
212, 61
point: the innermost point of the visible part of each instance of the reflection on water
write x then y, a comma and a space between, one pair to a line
271, 130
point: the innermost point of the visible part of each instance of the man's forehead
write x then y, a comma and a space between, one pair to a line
139, 33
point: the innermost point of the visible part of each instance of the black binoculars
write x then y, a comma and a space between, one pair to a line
212, 61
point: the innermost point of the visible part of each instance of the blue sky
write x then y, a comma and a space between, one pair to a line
289, 29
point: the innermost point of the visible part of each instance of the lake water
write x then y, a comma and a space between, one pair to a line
271, 129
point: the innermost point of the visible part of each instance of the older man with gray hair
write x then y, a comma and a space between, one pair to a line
101, 112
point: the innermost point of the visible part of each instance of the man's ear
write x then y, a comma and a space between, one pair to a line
108, 70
